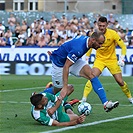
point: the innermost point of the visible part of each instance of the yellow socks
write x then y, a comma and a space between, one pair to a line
126, 90
87, 90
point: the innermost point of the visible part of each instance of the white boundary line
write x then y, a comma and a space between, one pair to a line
87, 124
72, 127
15, 102
23, 89
33, 88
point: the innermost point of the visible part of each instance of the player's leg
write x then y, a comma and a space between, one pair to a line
67, 116
80, 68
116, 72
87, 90
98, 88
69, 112
49, 84
123, 85
97, 69
57, 78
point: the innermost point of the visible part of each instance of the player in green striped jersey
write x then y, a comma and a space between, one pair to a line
43, 101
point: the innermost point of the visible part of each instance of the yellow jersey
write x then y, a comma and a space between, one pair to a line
107, 51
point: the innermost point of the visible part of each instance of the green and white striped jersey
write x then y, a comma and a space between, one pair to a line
42, 115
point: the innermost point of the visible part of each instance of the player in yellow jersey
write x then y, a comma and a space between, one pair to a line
106, 58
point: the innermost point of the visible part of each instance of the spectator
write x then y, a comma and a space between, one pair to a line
2, 29
131, 33
2, 41
62, 40
53, 19
64, 20
74, 29
60, 30
91, 31
30, 40
54, 36
57, 23
34, 26
37, 35
110, 25
74, 20
111, 18
12, 23
128, 34
85, 20
82, 31
122, 35
47, 36
18, 42
47, 25
24, 28
69, 31
42, 42
117, 25
21, 37
8, 37
17, 29
130, 42
53, 43
95, 26
42, 21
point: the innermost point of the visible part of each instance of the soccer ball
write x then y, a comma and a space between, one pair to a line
84, 108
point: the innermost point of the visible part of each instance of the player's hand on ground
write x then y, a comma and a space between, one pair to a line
121, 61
81, 119
51, 111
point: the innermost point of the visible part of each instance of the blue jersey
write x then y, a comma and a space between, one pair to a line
72, 49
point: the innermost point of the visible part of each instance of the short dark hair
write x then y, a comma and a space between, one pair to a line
36, 99
96, 35
102, 19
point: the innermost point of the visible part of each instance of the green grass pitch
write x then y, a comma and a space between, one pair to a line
15, 114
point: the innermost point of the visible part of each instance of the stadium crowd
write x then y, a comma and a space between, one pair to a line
54, 32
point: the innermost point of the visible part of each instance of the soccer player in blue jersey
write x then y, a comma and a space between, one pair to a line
67, 59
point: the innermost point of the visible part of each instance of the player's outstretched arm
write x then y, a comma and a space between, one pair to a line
79, 120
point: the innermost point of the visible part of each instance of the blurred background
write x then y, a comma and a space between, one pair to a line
29, 28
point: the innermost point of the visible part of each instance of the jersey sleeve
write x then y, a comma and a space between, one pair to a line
121, 44
44, 119
72, 57
51, 97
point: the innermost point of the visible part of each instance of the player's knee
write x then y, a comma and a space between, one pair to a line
87, 72
91, 75
120, 82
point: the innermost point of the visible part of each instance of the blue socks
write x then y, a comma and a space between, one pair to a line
98, 88
49, 90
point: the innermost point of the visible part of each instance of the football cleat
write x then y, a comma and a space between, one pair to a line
83, 100
73, 102
110, 105
49, 84
130, 100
